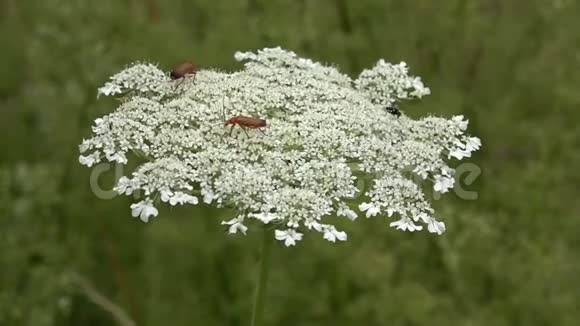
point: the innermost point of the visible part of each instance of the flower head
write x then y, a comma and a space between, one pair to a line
298, 170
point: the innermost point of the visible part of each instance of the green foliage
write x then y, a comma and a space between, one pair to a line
509, 258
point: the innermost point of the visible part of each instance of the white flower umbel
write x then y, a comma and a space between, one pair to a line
296, 172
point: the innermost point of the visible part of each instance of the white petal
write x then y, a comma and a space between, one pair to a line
230, 222
473, 144
405, 224
349, 213
144, 209
136, 210
462, 124
289, 241
329, 236
189, 199
265, 217
443, 184
436, 227
109, 89
87, 160
280, 235
314, 225
341, 235
289, 236
148, 211
297, 236
166, 195
208, 197
242, 228
370, 209
174, 200
235, 226
364, 206
373, 211
459, 154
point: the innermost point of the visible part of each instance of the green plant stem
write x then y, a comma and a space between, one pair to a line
258, 310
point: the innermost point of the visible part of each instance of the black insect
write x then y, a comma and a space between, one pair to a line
394, 110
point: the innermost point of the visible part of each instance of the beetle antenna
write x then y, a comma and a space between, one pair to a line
224, 109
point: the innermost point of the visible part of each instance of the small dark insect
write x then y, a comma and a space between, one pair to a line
183, 70
392, 109
246, 122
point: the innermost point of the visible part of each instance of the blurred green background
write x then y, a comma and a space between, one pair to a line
509, 258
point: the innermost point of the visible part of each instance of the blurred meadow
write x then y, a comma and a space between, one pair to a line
511, 257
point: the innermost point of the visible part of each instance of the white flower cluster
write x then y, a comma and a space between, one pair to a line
387, 83
296, 172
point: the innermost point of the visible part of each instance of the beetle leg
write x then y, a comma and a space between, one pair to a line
193, 78
244, 129
180, 82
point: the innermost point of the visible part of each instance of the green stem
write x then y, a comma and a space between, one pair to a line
258, 310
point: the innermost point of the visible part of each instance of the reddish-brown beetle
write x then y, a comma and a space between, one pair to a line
183, 70
244, 122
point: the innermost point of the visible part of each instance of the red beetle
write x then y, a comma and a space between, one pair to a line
246, 122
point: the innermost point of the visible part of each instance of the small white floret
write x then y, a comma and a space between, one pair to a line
208, 196
88, 160
109, 89
405, 224
235, 226
331, 234
349, 213
443, 183
473, 144
462, 124
289, 236
435, 226
144, 210
265, 217
125, 186
371, 209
